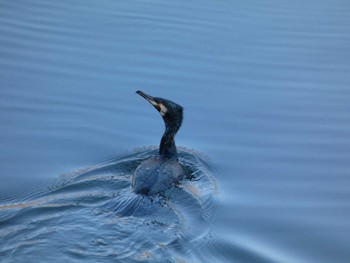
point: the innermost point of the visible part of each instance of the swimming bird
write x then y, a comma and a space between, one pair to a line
160, 173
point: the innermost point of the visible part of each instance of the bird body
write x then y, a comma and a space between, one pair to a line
155, 175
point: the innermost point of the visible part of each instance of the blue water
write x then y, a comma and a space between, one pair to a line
265, 88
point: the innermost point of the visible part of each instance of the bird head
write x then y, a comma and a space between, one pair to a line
171, 112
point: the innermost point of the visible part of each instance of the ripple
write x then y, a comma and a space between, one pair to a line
97, 207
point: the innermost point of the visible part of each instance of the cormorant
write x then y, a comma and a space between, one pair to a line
155, 175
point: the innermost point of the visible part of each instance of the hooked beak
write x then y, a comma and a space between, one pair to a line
149, 98
158, 105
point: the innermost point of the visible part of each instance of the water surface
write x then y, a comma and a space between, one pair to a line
265, 87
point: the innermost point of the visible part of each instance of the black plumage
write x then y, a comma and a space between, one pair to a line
155, 175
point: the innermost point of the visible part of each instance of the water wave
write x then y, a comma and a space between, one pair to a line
93, 214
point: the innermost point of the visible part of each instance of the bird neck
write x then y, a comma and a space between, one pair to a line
167, 148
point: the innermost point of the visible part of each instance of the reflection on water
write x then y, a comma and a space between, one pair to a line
93, 214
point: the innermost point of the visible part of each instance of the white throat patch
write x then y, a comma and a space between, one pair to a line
163, 109
153, 103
